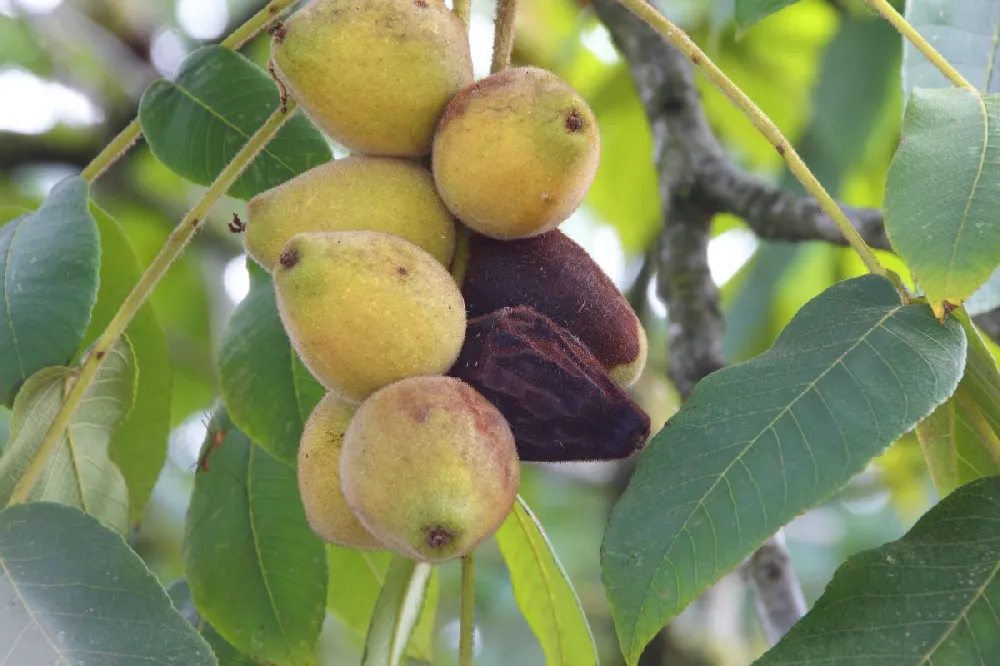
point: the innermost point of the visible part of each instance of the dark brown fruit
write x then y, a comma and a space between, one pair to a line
560, 403
557, 277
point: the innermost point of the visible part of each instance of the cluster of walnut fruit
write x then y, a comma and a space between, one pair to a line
456, 330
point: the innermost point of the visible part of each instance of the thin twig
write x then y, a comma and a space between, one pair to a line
467, 625
169, 253
133, 131
696, 182
679, 39
503, 41
903, 27
463, 10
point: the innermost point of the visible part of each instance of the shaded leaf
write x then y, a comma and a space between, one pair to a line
396, 612
760, 442
962, 32
78, 472
942, 191
543, 591
929, 598
75, 594
226, 654
961, 439
197, 123
268, 392
257, 572
4, 427
749, 12
139, 443
49, 260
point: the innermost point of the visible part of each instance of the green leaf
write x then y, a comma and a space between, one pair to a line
961, 439
227, 655
256, 570
396, 612
79, 472
749, 12
929, 598
197, 123
139, 444
268, 392
49, 260
76, 594
544, 592
962, 32
942, 192
356, 579
760, 442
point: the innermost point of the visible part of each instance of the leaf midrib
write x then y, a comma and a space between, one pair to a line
979, 594
204, 105
809, 387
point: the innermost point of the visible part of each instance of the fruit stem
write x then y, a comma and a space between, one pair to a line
680, 40
503, 43
128, 137
467, 627
463, 10
170, 251
903, 27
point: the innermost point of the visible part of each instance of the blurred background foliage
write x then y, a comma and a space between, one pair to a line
71, 74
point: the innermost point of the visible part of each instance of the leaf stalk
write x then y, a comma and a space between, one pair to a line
680, 40
503, 41
903, 27
129, 136
171, 250
467, 626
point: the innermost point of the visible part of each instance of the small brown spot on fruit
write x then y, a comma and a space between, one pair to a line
574, 121
402, 270
421, 3
289, 258
99, 355
438, 537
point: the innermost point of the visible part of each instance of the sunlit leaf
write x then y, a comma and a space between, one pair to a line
929, 598
543, 591
49, 260
78, 472
396, 612
268, 392
942, 192
75, 594
749, 12
257, 572
197, 123
139, 443
759, 442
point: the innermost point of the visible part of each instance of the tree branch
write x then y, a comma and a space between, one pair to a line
696, 182
989, 323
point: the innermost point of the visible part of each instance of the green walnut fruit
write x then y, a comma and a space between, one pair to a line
515, 153
364, 309
357, 193
329, 515
430, 468
374, 75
